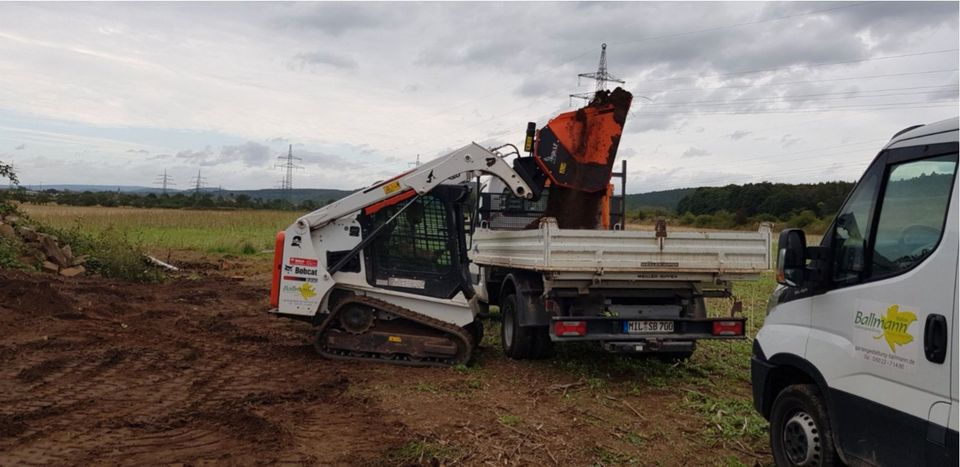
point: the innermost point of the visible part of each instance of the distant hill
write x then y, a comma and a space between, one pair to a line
297, 195
658, 199
95, 188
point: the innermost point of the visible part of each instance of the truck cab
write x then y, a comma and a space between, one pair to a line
856, 361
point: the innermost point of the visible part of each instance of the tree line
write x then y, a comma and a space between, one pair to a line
179, 200
810, 206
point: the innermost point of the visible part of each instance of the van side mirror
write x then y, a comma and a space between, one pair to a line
791, 262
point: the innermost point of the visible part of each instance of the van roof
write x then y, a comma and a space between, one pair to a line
923, 130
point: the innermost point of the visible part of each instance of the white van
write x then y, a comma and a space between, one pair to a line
857, 359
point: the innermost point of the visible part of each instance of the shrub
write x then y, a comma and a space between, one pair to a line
110, 253
248, 249
10, 250
802, 219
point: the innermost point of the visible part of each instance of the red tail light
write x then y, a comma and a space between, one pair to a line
277, 268
570, 328
728, 328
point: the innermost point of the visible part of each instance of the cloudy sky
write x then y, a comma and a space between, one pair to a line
724, 92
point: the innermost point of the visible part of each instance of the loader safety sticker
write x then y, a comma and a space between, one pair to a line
882, 335
391, 187
304, 262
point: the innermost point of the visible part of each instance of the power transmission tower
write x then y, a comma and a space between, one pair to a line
199, 182
288, 164
164, 181
602, 77
415, 164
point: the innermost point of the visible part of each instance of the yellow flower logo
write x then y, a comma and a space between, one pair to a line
307, 291
895, 326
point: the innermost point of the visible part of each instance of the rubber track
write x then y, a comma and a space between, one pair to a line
453, 330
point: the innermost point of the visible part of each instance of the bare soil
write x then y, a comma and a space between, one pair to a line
194, 371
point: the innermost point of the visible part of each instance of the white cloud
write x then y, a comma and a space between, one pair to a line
363, 88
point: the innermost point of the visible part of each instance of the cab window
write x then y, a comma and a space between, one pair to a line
912, 213
851, 230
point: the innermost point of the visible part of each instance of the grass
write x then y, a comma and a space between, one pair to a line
713, 385
510, 420
422, 452
212, 231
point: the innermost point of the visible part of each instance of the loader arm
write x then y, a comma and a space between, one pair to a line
470, 158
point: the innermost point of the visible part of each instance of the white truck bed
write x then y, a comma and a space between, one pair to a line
641, 254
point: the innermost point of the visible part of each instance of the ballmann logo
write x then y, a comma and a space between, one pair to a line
306, 290
894, 327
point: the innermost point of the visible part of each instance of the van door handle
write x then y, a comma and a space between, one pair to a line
935, 338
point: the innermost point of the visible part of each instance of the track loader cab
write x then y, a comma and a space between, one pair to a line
423, 250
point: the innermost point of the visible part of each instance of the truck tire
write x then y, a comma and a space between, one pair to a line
800, 432
517, 341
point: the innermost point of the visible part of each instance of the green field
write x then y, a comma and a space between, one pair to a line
211, 231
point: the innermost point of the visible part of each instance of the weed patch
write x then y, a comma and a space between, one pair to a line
422, 452
728, 418
510, 420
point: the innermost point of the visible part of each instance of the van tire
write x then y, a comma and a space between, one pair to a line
800, 431
517, 341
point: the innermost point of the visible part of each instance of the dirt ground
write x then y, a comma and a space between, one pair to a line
96, 371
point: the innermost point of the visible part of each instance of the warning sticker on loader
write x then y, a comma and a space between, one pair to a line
884, 334
391, 187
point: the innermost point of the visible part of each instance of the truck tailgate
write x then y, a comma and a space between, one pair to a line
551, 249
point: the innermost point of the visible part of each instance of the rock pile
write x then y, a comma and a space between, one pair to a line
41, 248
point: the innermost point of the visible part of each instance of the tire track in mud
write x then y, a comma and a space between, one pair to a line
105, 372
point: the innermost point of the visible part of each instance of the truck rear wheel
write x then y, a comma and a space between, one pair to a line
522, 342
800, 432
516, 340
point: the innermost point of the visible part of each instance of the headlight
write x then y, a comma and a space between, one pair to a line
774, 299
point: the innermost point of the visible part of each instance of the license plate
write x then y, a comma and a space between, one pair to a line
647, 327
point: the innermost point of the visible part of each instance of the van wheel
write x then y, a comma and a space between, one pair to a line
800, 433
517, 341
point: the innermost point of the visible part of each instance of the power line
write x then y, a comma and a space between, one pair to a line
820, 95
812, 65
745, 86
737, 25
644, 39
885, 106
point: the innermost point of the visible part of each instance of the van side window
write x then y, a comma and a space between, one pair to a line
912, 213
852, 229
